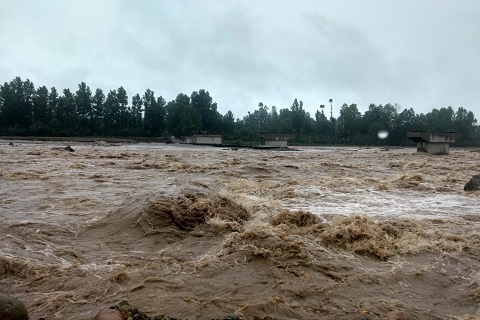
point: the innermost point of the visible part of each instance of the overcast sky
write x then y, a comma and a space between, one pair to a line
420, 54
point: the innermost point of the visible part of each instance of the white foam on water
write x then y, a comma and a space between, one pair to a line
387, 204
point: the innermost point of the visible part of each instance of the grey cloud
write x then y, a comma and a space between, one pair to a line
418, 54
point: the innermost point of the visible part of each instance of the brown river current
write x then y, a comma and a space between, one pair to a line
201, 232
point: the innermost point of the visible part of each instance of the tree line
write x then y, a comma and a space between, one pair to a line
353, 128
26, 110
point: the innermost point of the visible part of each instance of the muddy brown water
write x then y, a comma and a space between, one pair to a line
202, 232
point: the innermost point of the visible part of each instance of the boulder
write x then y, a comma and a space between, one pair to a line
473, 184
395, 315
109, 314
11, 308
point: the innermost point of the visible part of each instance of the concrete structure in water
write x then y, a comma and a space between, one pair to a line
433, 142
209, 139
275, 140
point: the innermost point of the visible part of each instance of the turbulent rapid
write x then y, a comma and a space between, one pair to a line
202, 232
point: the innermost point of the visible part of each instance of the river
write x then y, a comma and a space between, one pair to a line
197, 232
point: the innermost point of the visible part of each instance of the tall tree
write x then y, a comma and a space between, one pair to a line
440, 119
349, 121
18, 104
405, 121
274, 120
331, 108
83, 100
285, 121
322, 125
149, 103
67, 117
7, 109
464, 122
182, 119
124, 114
263, 117
98, 112
159, 117
54, 105
379, 117
228, 123
154, 121
112, 113
210, 119
137, 109
42, 114
297, 116
332, 120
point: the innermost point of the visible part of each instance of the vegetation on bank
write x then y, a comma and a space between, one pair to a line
26, 110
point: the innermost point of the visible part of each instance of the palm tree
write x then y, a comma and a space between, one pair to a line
322, 106
332, 120
331, 108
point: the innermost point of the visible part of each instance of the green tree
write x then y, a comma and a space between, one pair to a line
405, 121
53, 103
149, 105
7, 106
228, 124
263, 117
154, 120
332, 121
123, 120
159, 117
274, 120
20, 107
440, 119
210, 119
348, 122
251, 125
285, 121
182, 119
379, 118
464, 122
112, 113
322, 125
42, 114
83, 100
257, 122
297, 116
137, 109
66, 115
98, 112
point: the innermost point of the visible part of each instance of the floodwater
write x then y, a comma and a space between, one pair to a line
201, 232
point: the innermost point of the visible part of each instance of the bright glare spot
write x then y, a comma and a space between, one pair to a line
382, 134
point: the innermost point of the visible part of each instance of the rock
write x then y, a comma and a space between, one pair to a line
473, 184
11, 308
109, 314
395, 315
68, 148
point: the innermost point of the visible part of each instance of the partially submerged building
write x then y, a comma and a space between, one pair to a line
433, 142
207, 139
275, 140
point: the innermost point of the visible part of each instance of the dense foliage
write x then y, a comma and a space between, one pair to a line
26, 110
